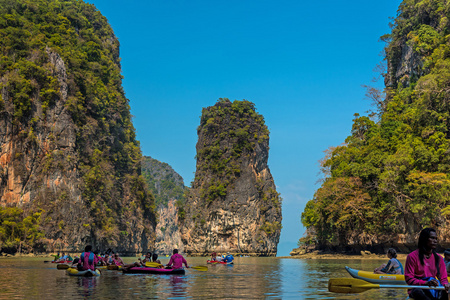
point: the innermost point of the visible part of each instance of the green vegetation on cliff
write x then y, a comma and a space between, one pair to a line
108, 154
391, 176
18, 231
232, 131
163, 181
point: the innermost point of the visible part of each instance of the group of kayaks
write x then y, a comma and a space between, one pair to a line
137, 270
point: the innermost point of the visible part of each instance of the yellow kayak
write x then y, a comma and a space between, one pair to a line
87, 273
377, 278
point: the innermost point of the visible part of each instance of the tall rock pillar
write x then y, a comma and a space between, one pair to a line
233, 205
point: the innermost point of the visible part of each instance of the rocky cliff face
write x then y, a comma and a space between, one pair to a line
168, 188
167, 230
67, 144
233, 204
391, 177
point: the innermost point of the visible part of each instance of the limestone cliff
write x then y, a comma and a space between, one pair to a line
67, 144
390, 179
233, 204
168, 188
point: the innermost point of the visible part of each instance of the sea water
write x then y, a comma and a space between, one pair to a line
248, 278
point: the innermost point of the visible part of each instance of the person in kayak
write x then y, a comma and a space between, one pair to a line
141, 263
214, 256
219, 257
147, 258
229, 258
156, 260
62, 258
447, 260
394, 266
176, 261
88, 260
56, 257
425, 267
117, 260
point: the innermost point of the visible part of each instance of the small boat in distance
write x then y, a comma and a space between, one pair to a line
213, 262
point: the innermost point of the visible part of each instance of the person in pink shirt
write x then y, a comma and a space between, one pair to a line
425, 267
176, 261
88, 259
117, 260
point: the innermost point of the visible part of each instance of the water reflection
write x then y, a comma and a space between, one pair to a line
249, 278
86, 286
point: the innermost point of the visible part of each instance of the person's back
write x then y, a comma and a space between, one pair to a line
229, 258
177, 261
396, 268
155, 258
88, 259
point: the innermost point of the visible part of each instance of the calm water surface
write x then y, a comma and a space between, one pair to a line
249, 278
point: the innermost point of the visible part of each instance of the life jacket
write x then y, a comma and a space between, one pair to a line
91, 257
400, 266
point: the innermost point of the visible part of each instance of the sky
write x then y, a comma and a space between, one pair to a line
302, 63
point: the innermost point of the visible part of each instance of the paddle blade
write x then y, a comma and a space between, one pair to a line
349, 285
200, 268
153, 265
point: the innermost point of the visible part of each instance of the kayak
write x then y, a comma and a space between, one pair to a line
61, 262
377, 278
148, 270
114, 267
87, 273
218, 262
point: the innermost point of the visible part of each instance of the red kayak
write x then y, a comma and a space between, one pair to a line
218, 262
147, 270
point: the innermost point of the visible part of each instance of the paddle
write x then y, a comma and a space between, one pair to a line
156, 265
353, 285
200, 268
153, 265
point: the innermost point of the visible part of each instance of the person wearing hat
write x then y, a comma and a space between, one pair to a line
447, 260
229, 258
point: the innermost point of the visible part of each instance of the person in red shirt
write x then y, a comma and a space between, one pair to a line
425, 267
176, 261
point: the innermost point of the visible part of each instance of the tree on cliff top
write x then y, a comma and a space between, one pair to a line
391, 176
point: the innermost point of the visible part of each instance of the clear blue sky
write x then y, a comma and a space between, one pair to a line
301, 62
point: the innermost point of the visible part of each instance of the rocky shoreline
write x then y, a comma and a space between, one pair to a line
301, 254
